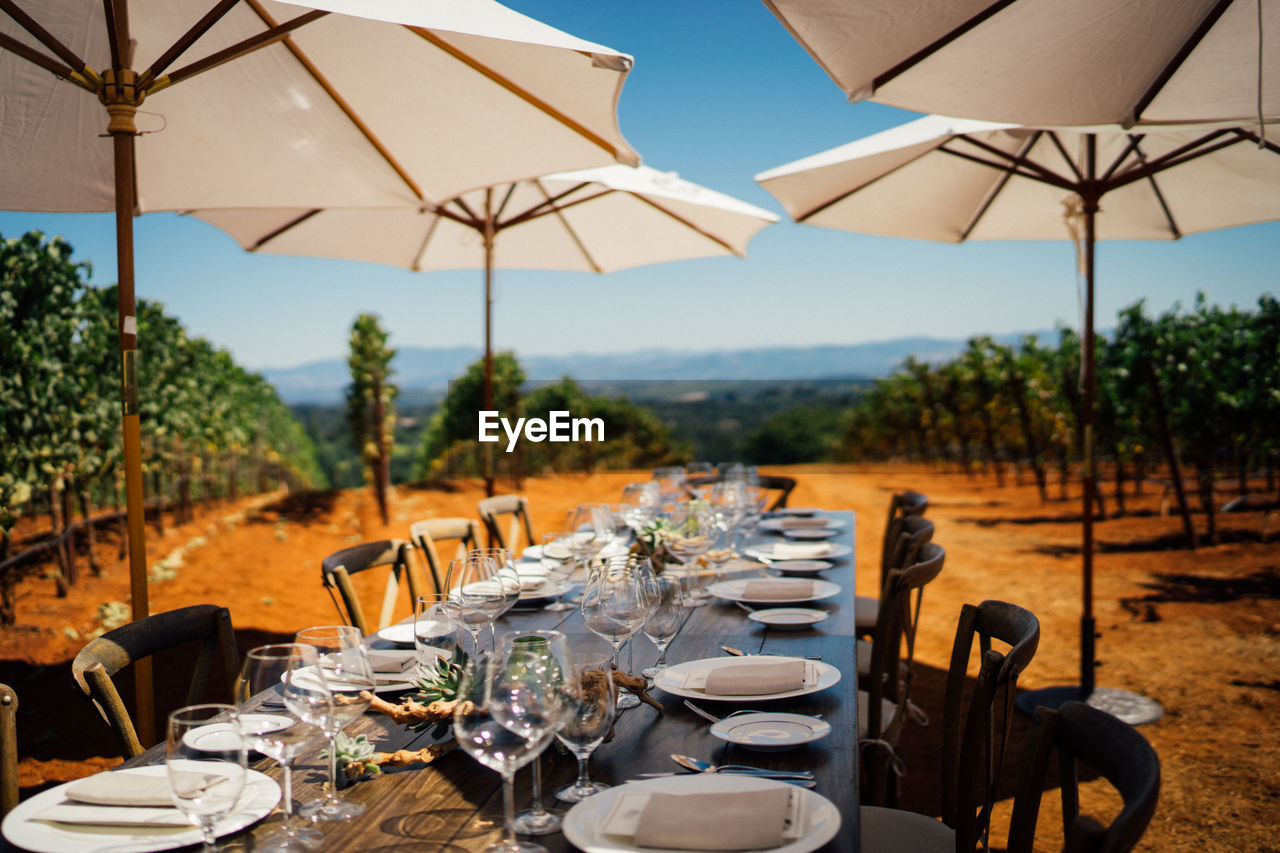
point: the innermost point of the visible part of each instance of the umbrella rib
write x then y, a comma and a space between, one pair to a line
685, 222
1175, 62
518, 91
188, 38
497, 214
927, 51
1062, 149
834, 200
48, 63
1046, 173
341, 103
1164, 206
1050, 179
546, 206
235, 51
1130, 148
998, 187
573, 235
74, 63
1257, 140
1184, 154
426, 240
117, 33
283, 228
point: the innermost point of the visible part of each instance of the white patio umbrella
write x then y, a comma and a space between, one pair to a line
237, 103
594, 220
940, 178
1050, 62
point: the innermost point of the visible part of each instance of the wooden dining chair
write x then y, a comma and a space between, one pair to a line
972, 755
783, 486
911, 533
337, 569
491, 511
8, 749
425, 535
1078, 733
104, 657
886, 690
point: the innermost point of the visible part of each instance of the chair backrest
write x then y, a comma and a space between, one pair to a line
902, 505
518, 509
96, 664
913, 532
337, 568
426, 534
784, 486
971, 759
8, 749
1078, 732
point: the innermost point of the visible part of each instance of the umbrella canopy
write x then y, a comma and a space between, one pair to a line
1050, 62
225, 103
947, 179
593, 220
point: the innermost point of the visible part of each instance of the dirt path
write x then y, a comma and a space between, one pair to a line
1201, 634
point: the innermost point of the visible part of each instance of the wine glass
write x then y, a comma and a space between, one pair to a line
597, 706
557, 558
616, 603
641, 503
670, 480
666, 620
690, 537
437, 629
281, 734
538, 663
507, 576
481, 597
345, 669
205, 782
594, 521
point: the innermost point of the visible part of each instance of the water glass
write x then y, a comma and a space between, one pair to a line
597, 707
666, 620
557, 559
481, 595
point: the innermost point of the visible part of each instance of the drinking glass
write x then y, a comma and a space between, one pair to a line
597, 706
205, 783
557, 558
345, 669
666, 620
280, 734
691, 536
616, 603
437, 630
539, 664
481, 597
507, 576
670, 480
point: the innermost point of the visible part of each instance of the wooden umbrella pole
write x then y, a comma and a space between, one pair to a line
1088, 631
121, 99
488, 336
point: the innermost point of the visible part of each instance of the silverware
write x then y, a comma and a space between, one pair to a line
706, 715
798, 782
745, 607
698, 766
730, 650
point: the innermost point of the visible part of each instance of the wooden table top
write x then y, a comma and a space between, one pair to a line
455, 804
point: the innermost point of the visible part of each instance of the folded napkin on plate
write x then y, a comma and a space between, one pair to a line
389, 661
794, 523
800, 550
81, 813
755, 679
739, 820
783, 589
132, 789
530, 568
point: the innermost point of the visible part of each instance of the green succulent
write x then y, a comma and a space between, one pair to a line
442, 683
354, 755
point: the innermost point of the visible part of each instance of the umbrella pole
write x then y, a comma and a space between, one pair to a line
121, 106
488, 338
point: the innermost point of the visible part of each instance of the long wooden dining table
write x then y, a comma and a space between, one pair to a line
454, 804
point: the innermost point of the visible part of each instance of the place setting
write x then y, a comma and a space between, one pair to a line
774, 590
747, 678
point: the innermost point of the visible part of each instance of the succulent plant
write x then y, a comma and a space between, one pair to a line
355, 755
441, 683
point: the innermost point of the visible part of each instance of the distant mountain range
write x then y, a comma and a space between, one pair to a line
422, 372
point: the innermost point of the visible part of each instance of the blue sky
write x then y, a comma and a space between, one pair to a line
720, 92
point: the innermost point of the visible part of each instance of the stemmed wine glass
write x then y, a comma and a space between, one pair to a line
690, 537
617, 601
205, 783
282, 734
508, 710
507, 576
345, 669
671, 480
557, 558
437, 629
481, 597
545, 650
597, 706
641, 503
666, 620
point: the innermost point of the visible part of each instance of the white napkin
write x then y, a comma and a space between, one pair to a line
82, 813
793, 523
755, 679
739, 820
131, 789
783, 589
800, 550
527, 568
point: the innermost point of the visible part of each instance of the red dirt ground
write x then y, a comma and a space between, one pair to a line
1202, 634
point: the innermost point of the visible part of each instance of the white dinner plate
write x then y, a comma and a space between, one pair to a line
831, 551
801, 567
225, 737
777, 525
550, 589
796, 510
401, 634
766, 732
810, 533
20, 827
818, 676
788, 618
736, 590
384, 682
582, 823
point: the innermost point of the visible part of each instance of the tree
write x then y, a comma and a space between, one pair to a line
371, 403
450, 443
